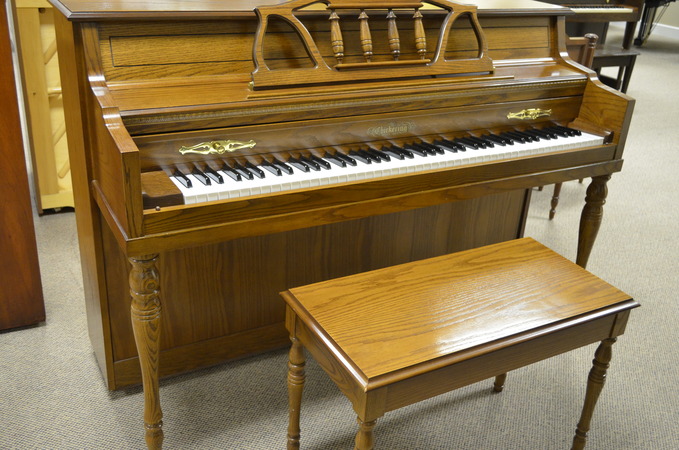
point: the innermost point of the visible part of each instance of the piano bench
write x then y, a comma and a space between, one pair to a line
395, 336
613, 56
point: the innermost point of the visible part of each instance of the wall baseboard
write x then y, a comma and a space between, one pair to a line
659, 29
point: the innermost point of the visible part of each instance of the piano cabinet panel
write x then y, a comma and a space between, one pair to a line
221, 301
141, 50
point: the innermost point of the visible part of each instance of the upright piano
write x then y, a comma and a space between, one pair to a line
222, 152
604, 12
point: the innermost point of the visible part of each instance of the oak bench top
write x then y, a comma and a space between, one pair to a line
392, 319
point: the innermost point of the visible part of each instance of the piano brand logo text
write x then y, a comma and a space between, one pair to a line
391, 129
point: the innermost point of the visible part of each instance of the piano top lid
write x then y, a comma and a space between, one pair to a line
84, 10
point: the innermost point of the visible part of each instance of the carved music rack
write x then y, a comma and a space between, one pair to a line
331, 57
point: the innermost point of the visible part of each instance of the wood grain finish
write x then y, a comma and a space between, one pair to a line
220, 300
145, 311
395, 336
131, 103
21, 299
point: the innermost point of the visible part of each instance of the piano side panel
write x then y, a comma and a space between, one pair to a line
74, 85
605, 108
221, 301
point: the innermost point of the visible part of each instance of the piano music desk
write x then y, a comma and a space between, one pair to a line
395, 336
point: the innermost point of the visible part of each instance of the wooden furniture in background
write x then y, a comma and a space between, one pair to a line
133, 100
21, 299
603, 12
613, 56
399, 335
44, 110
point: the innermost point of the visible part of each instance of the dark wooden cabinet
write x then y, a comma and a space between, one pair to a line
21, 299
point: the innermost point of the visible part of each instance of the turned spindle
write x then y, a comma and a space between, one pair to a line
366, 39
336, 37
420, 38
392, 35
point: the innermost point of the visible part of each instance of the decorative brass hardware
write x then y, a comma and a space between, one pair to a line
532, 113
217, 147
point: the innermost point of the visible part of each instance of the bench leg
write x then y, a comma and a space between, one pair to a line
295, 387
555, 199
365, 440
499, 382
595, 383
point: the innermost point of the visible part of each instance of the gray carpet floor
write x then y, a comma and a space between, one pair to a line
52, 395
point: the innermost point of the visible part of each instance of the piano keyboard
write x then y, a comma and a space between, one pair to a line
600, 9
237, 181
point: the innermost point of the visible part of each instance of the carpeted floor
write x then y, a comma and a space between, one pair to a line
52, 395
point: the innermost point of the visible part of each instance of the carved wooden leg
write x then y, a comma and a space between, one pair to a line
555, 199
595, 383
499, 382
295, 387
365, 439
145, 288
591, 217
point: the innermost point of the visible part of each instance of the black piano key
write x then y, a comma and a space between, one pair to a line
271, 168
245, 173
573, 131
284, 167
182, 178
259, 173
529, 137
360, 156
452, 146
235, 176
537, 134
482, 142
548, 132
294, 162
558, 131
513, 137
393, 152
566, 130
416, 150
497, 139
335, 160
436, 150
320, 161
312, 164
423, 148
200, 176
381, 155
214, 176
373, 157
407, 153
348, 159
466, 144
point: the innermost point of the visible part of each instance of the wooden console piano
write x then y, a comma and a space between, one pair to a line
224, 151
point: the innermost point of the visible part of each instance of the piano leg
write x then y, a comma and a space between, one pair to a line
591, 217
145, 292
628, 38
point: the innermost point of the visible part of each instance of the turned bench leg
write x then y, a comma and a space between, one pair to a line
365, 439
295, 387
499, 382
595, 383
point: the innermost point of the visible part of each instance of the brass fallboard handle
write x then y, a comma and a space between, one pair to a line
217, 147
531, 113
